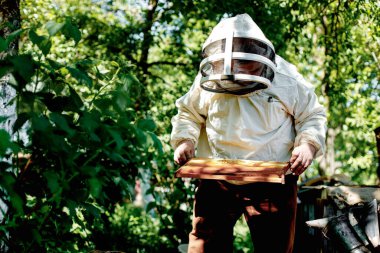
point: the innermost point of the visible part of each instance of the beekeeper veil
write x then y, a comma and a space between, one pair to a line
237, 58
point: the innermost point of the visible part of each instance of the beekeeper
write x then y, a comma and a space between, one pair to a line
247, 103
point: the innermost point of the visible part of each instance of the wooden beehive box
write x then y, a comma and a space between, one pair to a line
237, 170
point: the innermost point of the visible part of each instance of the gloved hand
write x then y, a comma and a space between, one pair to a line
184, 152
301, 158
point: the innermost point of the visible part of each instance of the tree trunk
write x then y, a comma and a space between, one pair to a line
145, 47
10, 21
326, 166
148, 38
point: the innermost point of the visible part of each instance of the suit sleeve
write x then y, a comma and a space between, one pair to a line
191, 116
309, 118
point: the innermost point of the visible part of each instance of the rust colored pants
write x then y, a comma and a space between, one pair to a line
269, 209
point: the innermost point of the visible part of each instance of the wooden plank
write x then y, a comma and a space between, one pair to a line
352, 195
238, 170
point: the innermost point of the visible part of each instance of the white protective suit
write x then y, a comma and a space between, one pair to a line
264, 125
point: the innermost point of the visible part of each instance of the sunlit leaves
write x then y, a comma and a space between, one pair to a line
54, 27
67, 28
338, 43
42, 42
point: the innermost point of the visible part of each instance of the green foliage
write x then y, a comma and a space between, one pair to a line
242, 241
132, 230
334, 45
83, 153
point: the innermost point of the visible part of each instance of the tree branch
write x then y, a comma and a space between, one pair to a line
148, 38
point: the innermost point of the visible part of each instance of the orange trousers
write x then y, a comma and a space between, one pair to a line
269, 210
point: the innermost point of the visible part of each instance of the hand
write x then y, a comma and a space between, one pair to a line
184, 152
302, 156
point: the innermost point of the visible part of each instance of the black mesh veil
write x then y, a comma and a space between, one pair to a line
242, 66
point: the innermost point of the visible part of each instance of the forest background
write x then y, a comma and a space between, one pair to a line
88, 89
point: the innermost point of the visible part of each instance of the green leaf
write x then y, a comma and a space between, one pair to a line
76, 101
45, 46
141, 137
7, 182
92, 209
150, 206
89, 121
71, 31
37, 236
150, 191
81, 76
95, 187
146, 125
55, 65
54, 27
61, 123
35, 38
13, 35
20, 121
6, 144
71, 205
17, 203
89, 170
117, 137
41, 124
24, 65
45, 209
81, 194
130, 82
157, 143
52, 181
42, 42
114, 156
4, 69
121, 100
3, 45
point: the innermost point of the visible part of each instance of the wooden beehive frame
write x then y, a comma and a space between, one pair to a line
238, 170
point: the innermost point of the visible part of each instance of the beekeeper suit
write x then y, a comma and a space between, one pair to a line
247, 103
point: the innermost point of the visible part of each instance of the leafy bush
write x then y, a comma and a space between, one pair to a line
132, 230
85, 145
